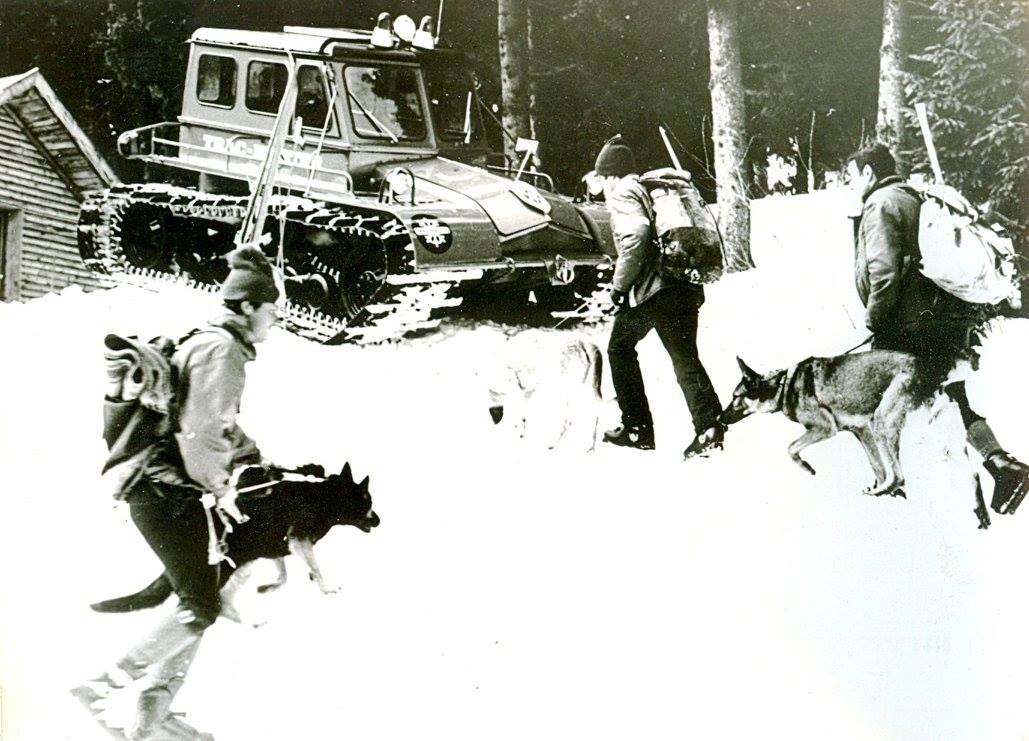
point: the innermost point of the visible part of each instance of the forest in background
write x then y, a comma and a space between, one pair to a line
810, 75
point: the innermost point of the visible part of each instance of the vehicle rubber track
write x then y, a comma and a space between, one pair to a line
146, 234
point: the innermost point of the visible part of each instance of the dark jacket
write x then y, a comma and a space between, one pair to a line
210, 375
897, 297
632, 223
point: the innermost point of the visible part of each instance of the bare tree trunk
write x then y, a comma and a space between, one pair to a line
889, 125
530, 46
512, 34
729, 132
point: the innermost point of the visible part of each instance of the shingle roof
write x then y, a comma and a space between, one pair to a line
31, 99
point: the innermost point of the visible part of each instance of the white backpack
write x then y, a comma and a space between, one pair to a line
963, 255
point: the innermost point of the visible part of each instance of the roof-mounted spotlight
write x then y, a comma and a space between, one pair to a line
404, 28
423, 37
381, 34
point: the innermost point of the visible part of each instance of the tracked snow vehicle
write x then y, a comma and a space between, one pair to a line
382, 201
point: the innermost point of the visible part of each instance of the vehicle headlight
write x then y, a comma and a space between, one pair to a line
594, 183
400, 182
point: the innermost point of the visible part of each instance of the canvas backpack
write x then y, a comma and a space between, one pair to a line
688, 240
962, 254
139, 404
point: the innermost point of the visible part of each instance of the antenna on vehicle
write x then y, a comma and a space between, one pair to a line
439, 22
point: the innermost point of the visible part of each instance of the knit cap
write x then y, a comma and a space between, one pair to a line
250, 277
615, 159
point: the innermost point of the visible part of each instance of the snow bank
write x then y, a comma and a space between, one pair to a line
513, 593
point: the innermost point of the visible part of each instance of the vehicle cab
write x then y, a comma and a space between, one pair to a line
360, 100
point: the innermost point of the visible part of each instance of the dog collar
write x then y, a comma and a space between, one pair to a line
787, 381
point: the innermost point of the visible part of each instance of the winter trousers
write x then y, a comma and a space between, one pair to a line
175, 527
162, 659
673, 312
941, 345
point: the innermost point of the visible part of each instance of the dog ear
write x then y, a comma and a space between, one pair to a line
347, 474
748, 372
363, 486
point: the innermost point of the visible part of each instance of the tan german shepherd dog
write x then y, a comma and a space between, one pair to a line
547, 388
868, 394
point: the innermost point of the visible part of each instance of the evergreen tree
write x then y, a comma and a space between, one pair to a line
810, 75
975, 82
55, 38
144, 60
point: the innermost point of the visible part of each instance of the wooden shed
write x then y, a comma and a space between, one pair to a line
46, 165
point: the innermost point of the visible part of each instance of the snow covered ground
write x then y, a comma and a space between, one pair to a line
517, 593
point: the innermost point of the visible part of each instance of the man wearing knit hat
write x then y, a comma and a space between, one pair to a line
184, 495
646, 300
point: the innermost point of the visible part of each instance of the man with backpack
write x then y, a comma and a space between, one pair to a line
907, 311
645, 299
183, 498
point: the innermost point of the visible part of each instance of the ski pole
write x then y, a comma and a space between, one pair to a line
575, 312
668, 145
579, 311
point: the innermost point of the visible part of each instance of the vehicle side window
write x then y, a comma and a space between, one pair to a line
312, 105
216, 80
266, 82
385, 102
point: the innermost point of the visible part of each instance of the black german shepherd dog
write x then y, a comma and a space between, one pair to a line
288, 516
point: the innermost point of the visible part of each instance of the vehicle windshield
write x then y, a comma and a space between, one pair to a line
455, 111
385, 102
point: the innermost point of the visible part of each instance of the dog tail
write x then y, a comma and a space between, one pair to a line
150, 596
496, 413
496, 406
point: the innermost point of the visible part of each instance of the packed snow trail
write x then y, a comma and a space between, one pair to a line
516, 593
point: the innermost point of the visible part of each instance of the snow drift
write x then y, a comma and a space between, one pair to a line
514, 593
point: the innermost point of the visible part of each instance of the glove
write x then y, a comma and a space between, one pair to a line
619, 298
226, 502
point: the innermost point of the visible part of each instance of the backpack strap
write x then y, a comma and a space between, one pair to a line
224, 330
237, 335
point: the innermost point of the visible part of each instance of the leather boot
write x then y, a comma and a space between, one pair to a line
152, 708
706, 441
1011, 482
631, 436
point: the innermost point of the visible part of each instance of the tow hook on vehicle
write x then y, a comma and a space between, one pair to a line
560, 271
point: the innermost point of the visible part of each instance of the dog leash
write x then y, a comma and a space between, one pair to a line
285, 477
218, 548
